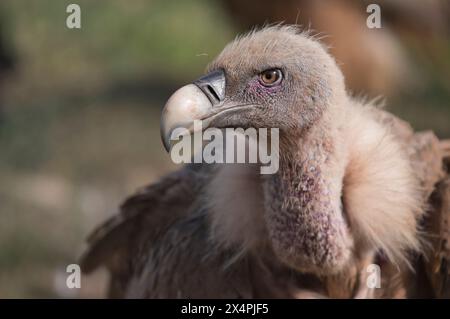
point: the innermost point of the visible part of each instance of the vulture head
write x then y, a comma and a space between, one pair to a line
344, 186
275, 77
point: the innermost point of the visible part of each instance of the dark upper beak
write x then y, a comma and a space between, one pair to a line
213, 86
196, 101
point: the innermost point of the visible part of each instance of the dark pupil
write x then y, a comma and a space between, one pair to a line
270, 75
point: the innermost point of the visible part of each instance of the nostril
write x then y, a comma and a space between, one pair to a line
213, 93
213, 86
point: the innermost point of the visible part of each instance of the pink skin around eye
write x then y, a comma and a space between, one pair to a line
256, 88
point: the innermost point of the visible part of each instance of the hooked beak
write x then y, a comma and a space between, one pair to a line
198, 101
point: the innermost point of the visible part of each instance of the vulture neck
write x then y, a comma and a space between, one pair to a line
251, 212
303, 214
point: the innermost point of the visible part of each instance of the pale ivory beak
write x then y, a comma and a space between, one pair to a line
190, 103
185, 106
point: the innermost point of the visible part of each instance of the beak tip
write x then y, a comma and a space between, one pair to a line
166, 145
186, 105
164, 137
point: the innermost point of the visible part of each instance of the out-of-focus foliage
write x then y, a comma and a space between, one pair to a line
79, 121
118, 39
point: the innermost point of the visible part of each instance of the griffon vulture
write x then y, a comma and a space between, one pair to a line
351, 189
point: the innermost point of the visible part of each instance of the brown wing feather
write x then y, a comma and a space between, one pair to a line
143, 217
424, 149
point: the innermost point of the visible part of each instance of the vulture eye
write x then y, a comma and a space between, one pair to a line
270, 77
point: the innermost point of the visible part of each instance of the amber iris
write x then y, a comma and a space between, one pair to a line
270, 77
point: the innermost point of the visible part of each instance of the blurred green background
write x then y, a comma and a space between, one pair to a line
79, 118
